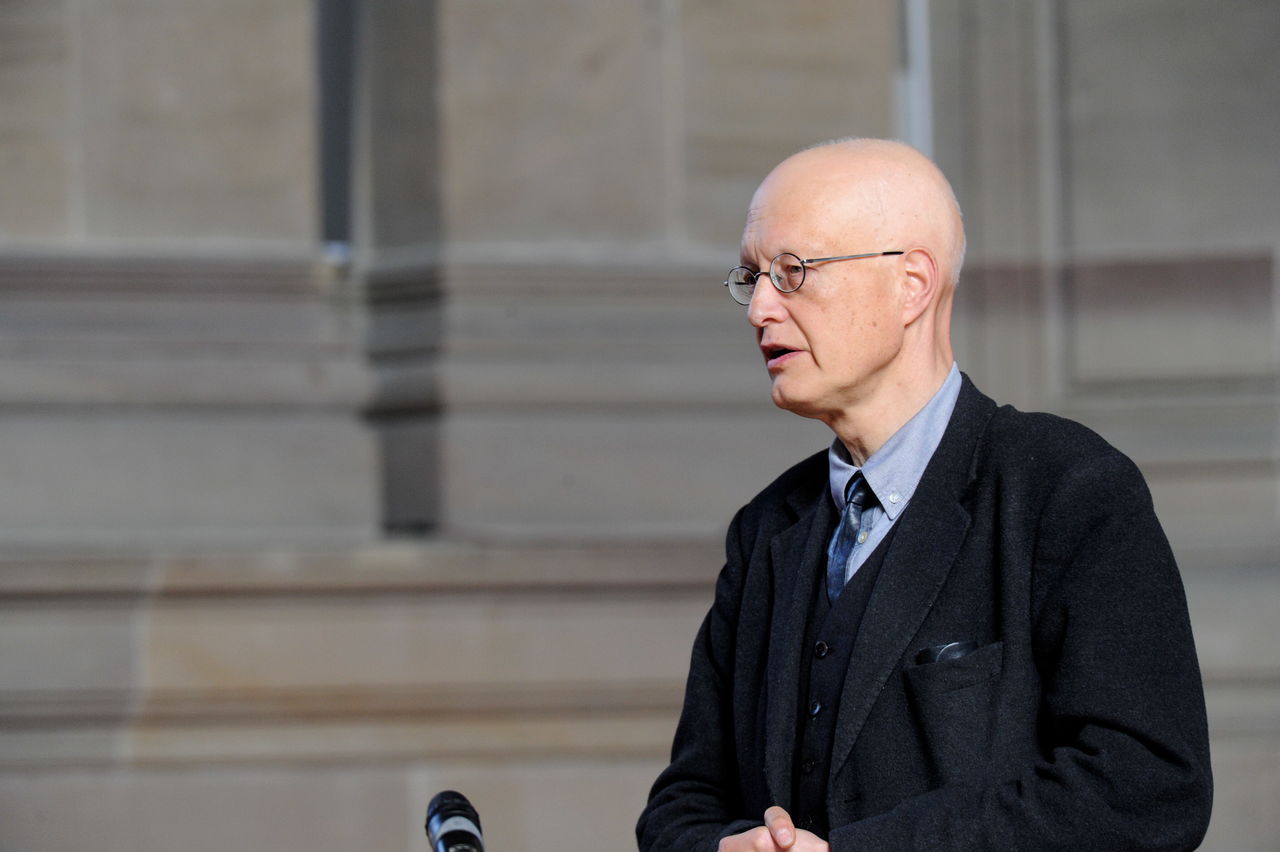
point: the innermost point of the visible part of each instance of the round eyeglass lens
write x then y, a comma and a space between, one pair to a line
742, 283
787, 272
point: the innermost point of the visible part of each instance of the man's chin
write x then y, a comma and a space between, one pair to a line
797, 404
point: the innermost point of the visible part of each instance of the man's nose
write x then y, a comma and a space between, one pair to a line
766, 303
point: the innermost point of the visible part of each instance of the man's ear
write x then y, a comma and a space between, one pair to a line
920, 283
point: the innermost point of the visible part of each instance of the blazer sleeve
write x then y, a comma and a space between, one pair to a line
1124, 754
696, 800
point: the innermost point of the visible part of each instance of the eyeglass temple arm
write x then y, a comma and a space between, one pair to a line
849, 256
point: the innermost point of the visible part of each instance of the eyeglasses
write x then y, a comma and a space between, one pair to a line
786, 271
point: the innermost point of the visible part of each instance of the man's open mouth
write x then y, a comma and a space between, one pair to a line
773, 352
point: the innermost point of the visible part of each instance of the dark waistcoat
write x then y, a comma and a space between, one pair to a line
826, 658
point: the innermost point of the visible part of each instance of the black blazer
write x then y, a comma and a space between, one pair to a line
1079, 721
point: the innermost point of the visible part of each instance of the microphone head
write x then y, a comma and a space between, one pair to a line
453, 824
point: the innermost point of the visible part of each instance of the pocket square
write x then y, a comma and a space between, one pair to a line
947, 651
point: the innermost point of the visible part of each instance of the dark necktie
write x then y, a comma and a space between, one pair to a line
849, 534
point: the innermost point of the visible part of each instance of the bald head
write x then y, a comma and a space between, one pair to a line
873, 189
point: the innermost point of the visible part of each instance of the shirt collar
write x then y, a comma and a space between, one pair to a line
894, 470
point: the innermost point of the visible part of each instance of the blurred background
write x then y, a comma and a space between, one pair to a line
371, 410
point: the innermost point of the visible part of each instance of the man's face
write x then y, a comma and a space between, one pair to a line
829, 346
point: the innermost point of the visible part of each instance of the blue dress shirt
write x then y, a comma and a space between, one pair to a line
894, 470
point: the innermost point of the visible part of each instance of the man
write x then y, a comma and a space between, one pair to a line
959, 628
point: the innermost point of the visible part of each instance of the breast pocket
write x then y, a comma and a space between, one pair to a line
954, 704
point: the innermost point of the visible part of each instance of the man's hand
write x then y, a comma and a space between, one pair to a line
777, 833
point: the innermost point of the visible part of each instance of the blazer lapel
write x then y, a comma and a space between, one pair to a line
919, 558
914, 569
799, 557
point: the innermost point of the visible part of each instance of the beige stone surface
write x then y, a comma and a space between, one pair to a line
524, 805
594, 401
760, 80
445, 640
244, 808
1186, 430
197, 120
388, 653
989, 123
199, 347
477, 734
625, 475
37, 122
1165, 155
1124, 318
1250, 516
552, 120
427, 565
603, 350
1246, 788
69, 647
145, 323
180, 398
1232, 611
129, 478
1001, 309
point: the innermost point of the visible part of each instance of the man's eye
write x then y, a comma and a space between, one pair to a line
792, 275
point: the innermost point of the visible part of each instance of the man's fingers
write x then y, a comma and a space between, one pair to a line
755, 840
778, 832
780, 826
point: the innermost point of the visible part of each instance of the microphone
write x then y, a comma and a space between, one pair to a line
452, 824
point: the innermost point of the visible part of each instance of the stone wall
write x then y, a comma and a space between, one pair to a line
292, 543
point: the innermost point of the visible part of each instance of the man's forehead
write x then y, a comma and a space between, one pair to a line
800, 217
768, 232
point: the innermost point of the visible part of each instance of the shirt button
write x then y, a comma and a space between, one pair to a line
807, 765
895, 498
815, 708
821, 649
862, 537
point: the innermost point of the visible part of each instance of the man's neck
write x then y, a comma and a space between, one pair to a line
866, 427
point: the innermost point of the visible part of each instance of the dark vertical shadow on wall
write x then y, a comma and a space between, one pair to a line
335, 48
381, 203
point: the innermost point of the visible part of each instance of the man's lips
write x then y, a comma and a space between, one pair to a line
775, 354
